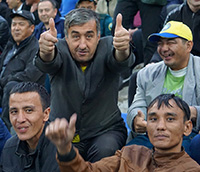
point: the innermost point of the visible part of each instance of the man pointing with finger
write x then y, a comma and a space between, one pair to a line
84, 73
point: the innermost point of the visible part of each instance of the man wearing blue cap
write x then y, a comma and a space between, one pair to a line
178, 73
16, 60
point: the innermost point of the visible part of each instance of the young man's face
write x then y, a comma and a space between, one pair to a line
27, 116
166, 127
174, 52
21, 29
82, 41
87, 4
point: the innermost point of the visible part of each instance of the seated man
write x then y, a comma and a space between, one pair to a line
46, 10
84, 73
16, 60
29, 149
167, 122
178, 73
105, 19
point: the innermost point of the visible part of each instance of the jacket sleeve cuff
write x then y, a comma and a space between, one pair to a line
68, 157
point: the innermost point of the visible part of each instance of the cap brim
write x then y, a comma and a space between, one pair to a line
155, 37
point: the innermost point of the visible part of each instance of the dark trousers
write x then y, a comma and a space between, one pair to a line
101, 146
151, 21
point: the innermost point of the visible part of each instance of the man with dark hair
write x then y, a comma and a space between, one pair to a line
178, 73
105, 19
15, 6
16, 62
29, 149
84, 73
47, 9
167, 121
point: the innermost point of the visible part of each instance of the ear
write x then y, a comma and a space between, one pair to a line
46, 114
188, 128
55, 11
189, 45
32, 28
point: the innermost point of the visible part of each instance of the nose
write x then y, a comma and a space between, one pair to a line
82, 43
164, 47
161, 124
21, 117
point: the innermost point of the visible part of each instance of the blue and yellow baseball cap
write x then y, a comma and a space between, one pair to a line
173, 29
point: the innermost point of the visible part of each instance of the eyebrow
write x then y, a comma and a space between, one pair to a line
166, 114
75, 32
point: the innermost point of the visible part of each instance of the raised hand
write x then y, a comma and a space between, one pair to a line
61, 133
47, 42
121, 37
140, 123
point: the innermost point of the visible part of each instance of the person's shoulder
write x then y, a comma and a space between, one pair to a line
153, 67
105, 39
188, 164
39, 26
136, 151
11, 142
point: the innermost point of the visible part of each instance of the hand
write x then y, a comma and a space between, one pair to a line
61, 133
47, 42
121, 40
140, 123
131, 32
193, 116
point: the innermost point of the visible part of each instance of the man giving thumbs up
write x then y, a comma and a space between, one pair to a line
84, 72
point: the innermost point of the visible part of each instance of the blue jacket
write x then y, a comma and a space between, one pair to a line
4, 135
59, 24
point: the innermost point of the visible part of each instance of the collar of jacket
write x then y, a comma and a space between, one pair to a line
163, 159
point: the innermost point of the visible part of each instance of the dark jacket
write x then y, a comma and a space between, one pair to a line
132, 158
184, 14
92, 94
59, 24
4, 33
20, 67
191, 19
17, 158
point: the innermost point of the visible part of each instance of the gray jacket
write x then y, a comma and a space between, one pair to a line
150, 82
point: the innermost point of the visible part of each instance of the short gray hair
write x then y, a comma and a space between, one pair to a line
81, 16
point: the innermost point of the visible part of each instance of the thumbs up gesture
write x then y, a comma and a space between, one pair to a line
121, 40
47, 42
140, 123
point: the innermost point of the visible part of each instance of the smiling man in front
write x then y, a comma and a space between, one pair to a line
29, 150
167, 122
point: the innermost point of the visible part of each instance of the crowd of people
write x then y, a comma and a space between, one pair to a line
61, 68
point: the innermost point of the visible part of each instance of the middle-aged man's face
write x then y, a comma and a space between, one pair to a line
83, 41
46, 11
194, 5
88, 5
13, 4
20, 29
174, 52
27, 116
166, 127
